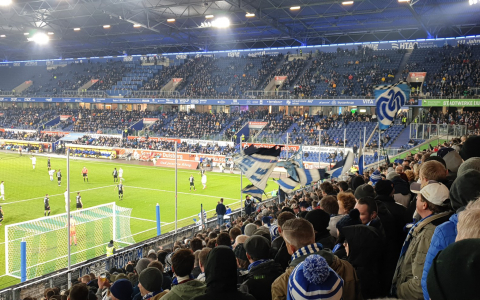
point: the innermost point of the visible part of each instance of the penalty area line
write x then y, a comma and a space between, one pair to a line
36, 198
199, 195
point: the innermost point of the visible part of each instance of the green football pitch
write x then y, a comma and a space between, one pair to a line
145, 186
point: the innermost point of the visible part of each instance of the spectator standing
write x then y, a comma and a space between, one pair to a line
221, 210
184, 287
150, 284
320, 220
221, 276
262, 271
433, 211
300, 241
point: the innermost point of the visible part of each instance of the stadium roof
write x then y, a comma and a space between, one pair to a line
275, 24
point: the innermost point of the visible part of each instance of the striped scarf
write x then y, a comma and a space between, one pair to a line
406, 244
256, 263
307, 250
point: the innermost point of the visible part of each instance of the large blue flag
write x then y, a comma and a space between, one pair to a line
389, 100
361, 160
342, 166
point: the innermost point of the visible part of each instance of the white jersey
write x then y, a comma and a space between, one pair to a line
204, 178
120, 172
2, 189
66, 197
34, 160
51, 173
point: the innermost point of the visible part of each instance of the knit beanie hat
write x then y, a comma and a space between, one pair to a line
319, 219
375, 177
461, 259
384, 187
470, 148
141, 265
250, 228
122, 289
151, 279
314, 279
353, 218
464, 189
356, 182
365, 190
470, 164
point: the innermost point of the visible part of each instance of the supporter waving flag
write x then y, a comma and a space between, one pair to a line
389, 100
258, 163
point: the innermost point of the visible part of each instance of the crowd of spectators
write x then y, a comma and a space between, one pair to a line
405, 230
197, 125
458, 72
88, 120
28, 118
29, 136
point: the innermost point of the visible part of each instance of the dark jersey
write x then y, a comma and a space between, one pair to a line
59, 174
79, 199
115, 173
120, 188
48, 162
191, 179
46, 203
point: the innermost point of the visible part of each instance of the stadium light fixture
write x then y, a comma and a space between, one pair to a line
137, 25
5, 2
2, 36
221, 22
209, 17
106, 26
26, 33
472, 2
295, 8
347, 2
249, 15
403, 1
39, 38
76, 29
170, 20
50, 33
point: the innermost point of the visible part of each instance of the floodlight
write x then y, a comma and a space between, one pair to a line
137, 25
5, 2
39, 38
347, 2
221, 22
249, 15
295, 8
170, 20
106, 26
209, 17
76, 29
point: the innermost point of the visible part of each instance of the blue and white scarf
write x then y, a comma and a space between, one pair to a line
151, 294
256, 263
310, 249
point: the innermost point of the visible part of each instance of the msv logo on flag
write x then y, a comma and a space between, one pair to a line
389, 101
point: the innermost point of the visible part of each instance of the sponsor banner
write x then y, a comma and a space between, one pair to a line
161, 139
148, 155
182, 164
325, 149
149, 120
64, 117
290, 147
235, 102
417, 76
207, 142
257, 125
55, 132
454, 103
177, 80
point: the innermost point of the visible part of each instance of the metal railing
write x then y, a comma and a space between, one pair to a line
428, 131
35, 287
155, 94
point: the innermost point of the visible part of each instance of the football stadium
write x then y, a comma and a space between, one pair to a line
276, 149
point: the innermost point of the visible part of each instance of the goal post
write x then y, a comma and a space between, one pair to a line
47, 238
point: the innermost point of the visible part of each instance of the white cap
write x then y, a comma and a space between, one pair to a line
436, 193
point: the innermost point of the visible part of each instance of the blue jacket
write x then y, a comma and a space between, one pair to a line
444, 235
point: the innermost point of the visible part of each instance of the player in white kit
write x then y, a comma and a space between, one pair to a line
120, 174
34, 161
51, 173
204, 181
2, 191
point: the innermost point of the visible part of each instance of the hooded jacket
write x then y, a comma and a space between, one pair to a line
259, 279
221, 276
462, 191
351, 288
185, 291
409, 270
365, 245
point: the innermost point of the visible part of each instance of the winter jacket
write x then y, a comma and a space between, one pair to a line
259, 279
160, 295
408, 274
327, 241
282, 257
366, 247
444, 235
221, 276
344, 269
185, 291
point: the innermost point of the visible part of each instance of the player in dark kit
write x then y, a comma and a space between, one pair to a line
59, 177
49, 166
192, 183
115, 175
79, 201
46, 203
120, 190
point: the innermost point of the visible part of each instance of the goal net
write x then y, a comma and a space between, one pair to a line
47, 238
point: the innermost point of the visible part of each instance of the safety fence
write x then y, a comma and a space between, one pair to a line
36, 287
